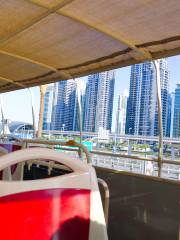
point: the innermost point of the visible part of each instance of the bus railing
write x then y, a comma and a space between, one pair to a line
174, 162
64, 146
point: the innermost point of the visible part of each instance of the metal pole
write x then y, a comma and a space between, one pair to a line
106, 199
41, 110
160, 123
33, 112
2, 115
79, 110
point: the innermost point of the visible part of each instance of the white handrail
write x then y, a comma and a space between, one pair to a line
70, 143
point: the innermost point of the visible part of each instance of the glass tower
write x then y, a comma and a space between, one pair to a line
48, 101
64, 105
99, 101
142, 114
176, 125
121, 114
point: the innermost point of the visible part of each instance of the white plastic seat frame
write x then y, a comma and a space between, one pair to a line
6, 174
82, 177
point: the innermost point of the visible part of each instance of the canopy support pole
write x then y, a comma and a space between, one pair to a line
41, 110
79, 110
2, 116
160, 123
33, 112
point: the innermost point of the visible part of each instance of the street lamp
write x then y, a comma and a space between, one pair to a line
62, 130
63, 126
130, 130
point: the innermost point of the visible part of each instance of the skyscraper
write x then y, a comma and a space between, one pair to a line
165, 78
64, 105
91, 103
176, 125
121, 113
172, 114
169, 113
81, 87
142, 112
99, 101
48, 101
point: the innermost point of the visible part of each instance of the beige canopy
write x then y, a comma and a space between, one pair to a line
43, 41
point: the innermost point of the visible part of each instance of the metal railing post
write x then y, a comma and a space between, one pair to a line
160, 123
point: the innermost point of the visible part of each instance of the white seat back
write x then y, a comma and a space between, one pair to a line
80, 186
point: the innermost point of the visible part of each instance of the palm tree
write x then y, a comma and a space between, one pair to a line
41, 110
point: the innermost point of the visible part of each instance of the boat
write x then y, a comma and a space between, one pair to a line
47, 41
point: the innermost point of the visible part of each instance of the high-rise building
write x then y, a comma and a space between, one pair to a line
99, 101
165, 78
105, 98
121, 113
169, 113
176, 124
64, 105
142, 112
172, 114
80, 90
91, 103
48, 103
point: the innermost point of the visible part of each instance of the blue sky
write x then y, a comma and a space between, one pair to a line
17, 105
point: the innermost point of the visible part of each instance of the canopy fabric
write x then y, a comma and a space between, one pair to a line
43, 41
